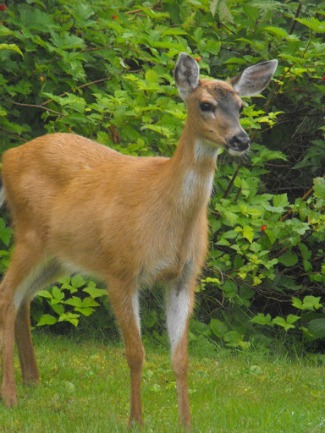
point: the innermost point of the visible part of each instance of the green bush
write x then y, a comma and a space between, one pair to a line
104, 70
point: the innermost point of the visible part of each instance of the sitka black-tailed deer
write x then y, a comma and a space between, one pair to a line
78, 206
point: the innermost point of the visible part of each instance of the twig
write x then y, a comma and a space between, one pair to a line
101, 80
38, 106
225, 194
294, 22
303, 198
135, 11
232, 180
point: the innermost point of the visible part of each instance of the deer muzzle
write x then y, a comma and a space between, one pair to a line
239, 143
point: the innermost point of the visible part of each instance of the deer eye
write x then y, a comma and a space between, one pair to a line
207, 107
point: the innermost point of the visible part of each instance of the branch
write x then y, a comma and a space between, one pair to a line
38, 106
294, 22
303, 198
225, 194
101, 80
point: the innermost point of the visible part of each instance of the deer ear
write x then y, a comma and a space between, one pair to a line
186, 74
255, 78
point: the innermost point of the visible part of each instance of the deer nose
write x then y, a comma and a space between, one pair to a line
239, 142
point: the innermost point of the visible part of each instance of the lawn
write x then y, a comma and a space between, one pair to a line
84, 389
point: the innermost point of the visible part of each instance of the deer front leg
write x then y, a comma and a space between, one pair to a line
180, 299
126, 309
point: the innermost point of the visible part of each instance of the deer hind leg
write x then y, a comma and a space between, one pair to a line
24, 342
7, 324
46, 273
126, 308
180, 300
12, 290
19, 284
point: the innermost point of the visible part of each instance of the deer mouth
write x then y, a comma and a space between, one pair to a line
238, 144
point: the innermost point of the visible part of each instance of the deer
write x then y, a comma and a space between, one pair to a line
130, 221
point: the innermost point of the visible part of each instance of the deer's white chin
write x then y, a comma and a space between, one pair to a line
234, 152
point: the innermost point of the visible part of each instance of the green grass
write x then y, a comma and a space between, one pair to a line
85, 386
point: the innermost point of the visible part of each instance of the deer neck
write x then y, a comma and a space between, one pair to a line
192, 170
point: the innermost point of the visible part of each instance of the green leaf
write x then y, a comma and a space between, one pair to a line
296, 226
65, 41
57, 294
317, 327
34, 19
74, 301
85, 311
152, 77
93, 291
163, 130
174, 31
221, 7
306, 256
5, 232
229, 218
212, 280
200, 328
57, 308
89, 302
248, 233
150, 319
78, 281
45, 294
229, 288
251, 12
4, 31
234, 339
11, 47
66, 284
213, 7
262, 319
280, 200
288, 259
70, 317
280, 321
277, 31
319, 187
305, 251
313, 23
218, 328
309, 303
292, 318
273, 209
46, 319
297, 303
81, 12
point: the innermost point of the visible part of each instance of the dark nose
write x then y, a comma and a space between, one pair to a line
239, 142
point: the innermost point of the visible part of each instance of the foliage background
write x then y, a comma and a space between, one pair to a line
104, 70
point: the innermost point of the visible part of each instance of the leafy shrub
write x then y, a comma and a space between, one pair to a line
74, 297
104, 70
